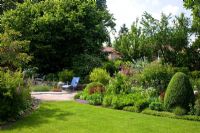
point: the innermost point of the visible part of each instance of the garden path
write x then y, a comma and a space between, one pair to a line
54, 96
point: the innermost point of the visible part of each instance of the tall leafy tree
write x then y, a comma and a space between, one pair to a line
194, 6
59, 30
131, 43
123, 30
101, 4
167, 37
170, 37
13, 50
8, 4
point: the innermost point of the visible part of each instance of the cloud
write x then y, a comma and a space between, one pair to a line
174, 10
153, 2
126, 11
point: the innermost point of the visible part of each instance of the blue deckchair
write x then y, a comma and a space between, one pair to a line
73, 84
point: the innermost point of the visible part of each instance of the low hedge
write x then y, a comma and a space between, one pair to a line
171, 115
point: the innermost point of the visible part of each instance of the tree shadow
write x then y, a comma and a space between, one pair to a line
43, 115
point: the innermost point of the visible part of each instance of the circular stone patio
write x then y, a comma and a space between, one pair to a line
54, 96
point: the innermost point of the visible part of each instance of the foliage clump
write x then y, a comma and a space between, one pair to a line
14, 94
156, 75
179, 92
119, 85
94, 87
100, 75
65, 75
179, 111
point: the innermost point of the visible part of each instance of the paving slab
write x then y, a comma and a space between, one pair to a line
54, 96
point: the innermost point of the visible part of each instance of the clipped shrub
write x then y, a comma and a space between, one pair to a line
65, 75
158, 106
179, 92
156, 75
119, 85
95, 99
14, 94
179, 111
94, 87
100, 75
170, 115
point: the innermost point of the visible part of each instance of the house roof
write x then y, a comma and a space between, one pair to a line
110, 50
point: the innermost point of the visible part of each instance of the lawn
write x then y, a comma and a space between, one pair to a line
72, 117
41, 88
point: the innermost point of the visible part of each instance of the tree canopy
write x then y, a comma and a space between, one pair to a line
59, 30
13, 50
167, 38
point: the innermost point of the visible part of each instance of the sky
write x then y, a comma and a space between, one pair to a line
126, 11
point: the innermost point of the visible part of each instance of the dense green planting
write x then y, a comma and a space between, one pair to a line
144, 88
100, 75
179, 92
119, 85
94, 87
14, 95
93, 93
65, 75
156, 75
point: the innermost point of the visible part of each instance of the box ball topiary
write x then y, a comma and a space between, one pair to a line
179, 92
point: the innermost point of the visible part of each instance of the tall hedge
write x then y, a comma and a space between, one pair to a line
179, 92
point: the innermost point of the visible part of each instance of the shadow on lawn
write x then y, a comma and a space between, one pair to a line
43, 115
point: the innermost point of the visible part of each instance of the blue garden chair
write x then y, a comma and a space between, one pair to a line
73, 85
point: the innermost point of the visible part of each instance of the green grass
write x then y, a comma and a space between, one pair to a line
41, 88
72, 117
